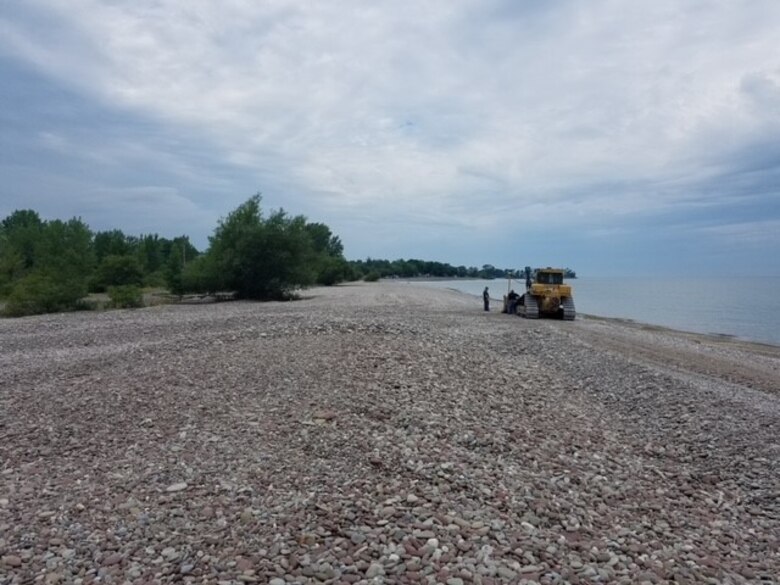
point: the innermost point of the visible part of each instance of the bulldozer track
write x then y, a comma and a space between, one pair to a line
569, 312
531, 307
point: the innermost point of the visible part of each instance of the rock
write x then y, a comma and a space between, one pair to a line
176, 487
243, 565
112, 559
277, 581
12, 561
374, 570
506, 573
170, 554
325, 415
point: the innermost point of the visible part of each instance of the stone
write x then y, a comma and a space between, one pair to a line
170, 553
12, 561
375, 570
112, 559
325, 415
507, 573
176, 487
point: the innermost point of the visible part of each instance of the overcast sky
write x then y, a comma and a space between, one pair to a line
614, 137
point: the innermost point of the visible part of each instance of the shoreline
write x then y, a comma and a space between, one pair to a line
725, 337
382, 433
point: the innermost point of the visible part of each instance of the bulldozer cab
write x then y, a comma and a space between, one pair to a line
549, 276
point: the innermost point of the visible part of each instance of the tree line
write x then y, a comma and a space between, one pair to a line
52, 265
48, 266
425, 268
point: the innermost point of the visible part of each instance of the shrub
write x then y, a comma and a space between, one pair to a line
38, 293
117, 271
260, 257
372, 276
125, 297
155, 279
200, 276
333, 270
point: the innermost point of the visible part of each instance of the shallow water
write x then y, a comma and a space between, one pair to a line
745, 308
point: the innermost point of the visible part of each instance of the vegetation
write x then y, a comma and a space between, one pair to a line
48, 266
266, 257
127, 296
424, 268
44, 266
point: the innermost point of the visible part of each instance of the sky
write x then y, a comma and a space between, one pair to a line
616, 138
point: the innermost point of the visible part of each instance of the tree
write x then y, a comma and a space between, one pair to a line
112, 243
118, 271
179, 254
19, 234
330, 265
260, 258
53, 271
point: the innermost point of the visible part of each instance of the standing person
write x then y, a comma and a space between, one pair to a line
512, 298
486, 298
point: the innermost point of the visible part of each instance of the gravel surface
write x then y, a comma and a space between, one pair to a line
383, 433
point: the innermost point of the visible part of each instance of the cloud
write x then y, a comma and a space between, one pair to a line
465, 116
762, 234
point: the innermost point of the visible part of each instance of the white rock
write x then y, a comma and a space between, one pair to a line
375, 570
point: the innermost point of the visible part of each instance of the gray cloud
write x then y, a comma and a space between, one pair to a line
463, 115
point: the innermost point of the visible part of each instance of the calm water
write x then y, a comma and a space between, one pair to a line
746, 308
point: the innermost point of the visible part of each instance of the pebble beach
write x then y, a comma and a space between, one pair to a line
383, 433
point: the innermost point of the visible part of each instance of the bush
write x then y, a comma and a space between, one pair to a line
333, 270
125, 297
117, 271
155, 279
199, 276
38, 293
258, 257
372, 276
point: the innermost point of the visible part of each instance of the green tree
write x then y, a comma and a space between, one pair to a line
53, 272
19, 234
260, 258
181, 252
113, 243
118, 271
330, 265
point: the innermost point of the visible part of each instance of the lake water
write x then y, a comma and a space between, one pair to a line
747, 308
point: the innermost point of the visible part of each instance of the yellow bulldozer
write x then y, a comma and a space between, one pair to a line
546, 295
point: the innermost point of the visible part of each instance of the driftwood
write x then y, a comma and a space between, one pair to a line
217, 297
